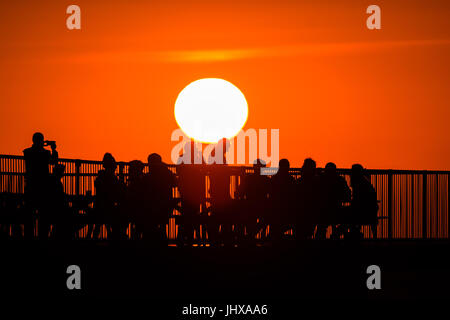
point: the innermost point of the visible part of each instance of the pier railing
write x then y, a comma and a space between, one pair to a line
414, 204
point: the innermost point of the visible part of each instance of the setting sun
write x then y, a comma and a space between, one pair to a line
210, 109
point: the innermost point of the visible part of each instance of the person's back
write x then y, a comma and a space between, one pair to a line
37, 161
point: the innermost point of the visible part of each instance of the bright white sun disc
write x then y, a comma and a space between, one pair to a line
210, 109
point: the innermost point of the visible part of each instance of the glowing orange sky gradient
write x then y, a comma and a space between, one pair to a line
336, 90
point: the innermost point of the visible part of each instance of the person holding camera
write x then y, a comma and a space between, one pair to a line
37, 174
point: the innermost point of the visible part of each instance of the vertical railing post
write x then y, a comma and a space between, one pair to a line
448, 206
77, 177
412, 200
1, 176
121, 176
424, 205
390, 194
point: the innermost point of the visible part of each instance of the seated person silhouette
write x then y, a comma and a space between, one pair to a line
334, 191
308, 192
159, 202
254, 191
282, 189
37, 162
109, 196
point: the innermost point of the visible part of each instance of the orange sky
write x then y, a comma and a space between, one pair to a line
336, 90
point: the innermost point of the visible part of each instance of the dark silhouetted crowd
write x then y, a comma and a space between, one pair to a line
318, 204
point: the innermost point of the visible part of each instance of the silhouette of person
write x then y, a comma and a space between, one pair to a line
159, 184
191, 185
59, 214
109, 195
254, 190
221, 217
334, 191
282, 188
135, 196
135, 174
364, 203
308, 192
37, 162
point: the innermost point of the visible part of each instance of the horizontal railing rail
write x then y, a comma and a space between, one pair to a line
413, 203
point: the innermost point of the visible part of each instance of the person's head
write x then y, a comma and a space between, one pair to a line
330, 169
136, 169
308, 168
283, 166
357, 173
109, 163
154, 160
257, 165
38, 139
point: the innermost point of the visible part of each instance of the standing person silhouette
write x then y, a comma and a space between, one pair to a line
308, 192
282, 188
37, 174
254, 190
191, 184
135, 197
109, 195
159, 184
220, 224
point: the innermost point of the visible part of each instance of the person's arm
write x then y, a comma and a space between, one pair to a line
54, 155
